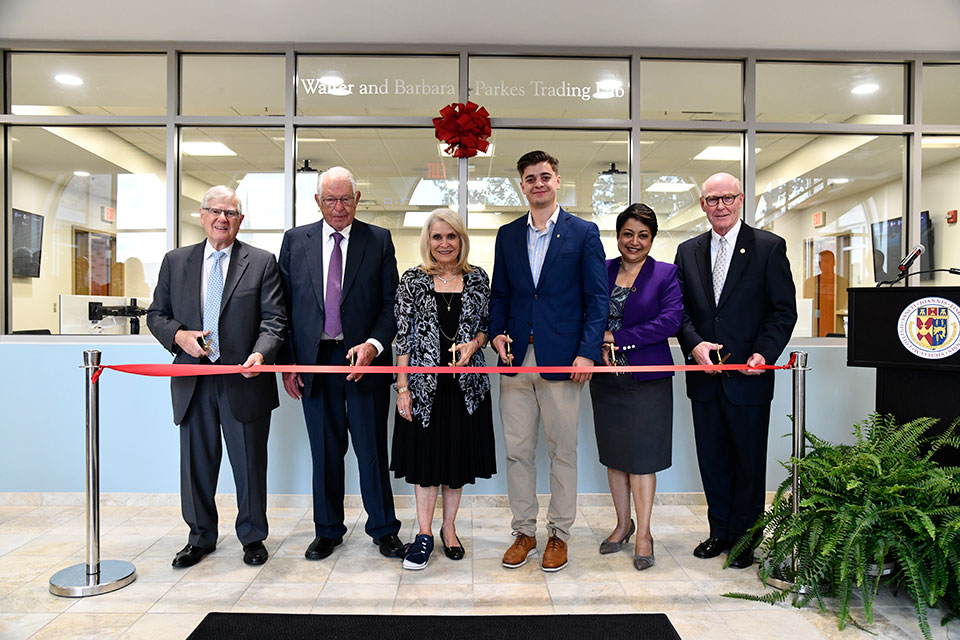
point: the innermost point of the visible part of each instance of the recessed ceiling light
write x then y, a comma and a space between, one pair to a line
82, 174
669, 187
720, 153
865, 88
195, 215
838, 181
68, 79
940, 141
332, 81
206, 149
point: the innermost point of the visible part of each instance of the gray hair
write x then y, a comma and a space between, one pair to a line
337, 172
221, 192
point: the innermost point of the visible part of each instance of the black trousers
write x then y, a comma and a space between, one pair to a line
200, 455
732, 453
334, 409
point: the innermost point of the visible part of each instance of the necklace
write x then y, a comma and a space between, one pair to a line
448, 301
446, 280
444, 334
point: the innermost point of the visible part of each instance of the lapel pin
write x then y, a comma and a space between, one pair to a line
742, 250
558, 235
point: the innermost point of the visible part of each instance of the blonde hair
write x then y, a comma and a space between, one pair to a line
443, 214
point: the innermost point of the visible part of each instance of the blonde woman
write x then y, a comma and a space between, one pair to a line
443, 433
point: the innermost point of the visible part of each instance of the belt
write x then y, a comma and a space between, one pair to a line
531, 339
331, 342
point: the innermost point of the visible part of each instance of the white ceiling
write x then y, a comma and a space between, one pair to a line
848, 25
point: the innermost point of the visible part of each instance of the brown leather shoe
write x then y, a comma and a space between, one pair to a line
554, 554
516, 556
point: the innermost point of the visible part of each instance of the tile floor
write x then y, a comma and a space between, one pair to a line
38, 540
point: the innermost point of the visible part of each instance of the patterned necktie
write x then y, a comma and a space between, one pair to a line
719, 270
211, 307
331, 299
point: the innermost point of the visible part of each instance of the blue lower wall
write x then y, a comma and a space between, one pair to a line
43, 429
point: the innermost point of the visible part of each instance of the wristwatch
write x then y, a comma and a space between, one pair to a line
403, 389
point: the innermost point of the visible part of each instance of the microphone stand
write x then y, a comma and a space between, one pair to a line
954, 270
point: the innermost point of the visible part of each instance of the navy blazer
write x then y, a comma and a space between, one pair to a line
651, 313
252, 318
567, 310
366, 300
756, 312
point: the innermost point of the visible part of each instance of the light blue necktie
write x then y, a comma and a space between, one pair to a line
211, 308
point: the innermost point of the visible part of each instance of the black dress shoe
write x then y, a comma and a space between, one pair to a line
744, 560
190, 555
390, 546
321, 547
454, 553
711, 548
254, 553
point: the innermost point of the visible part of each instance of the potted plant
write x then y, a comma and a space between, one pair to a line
877, 500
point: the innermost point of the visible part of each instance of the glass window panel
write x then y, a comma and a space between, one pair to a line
940, 177
402, 175
88, 84
246, 159
673, 166
220, 85
823, 92
88, 223
838, 201
691, 90
551, 87
376, 85
941, 86
594, 182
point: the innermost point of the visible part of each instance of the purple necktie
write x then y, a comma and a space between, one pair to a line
331, 299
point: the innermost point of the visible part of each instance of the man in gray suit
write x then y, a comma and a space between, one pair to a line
220, 302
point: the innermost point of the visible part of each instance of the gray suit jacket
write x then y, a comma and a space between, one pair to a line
252, 318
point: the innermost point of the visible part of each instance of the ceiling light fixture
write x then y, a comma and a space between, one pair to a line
838, 181
82, 174
69, 79
206, 149
720, 153
940, 141
865, 88
670, 187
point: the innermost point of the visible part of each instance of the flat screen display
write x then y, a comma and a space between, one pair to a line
27, 244
887, 243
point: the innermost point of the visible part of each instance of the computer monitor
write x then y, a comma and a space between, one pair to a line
887, 247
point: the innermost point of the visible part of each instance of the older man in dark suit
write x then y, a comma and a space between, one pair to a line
220, 302
738, 299
340, 280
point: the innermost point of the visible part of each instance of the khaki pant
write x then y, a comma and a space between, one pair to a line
524, 398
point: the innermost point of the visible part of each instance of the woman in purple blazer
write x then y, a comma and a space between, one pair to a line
633, 414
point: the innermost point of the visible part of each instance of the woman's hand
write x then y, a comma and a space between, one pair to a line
466, 351
405, 405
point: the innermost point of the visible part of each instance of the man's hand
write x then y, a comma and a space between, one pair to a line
252, 359
701, 353
293, 384
500, 344
753, 361
187, 341
365, 353
580, 361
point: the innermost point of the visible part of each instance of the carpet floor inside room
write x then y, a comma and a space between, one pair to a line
36, 540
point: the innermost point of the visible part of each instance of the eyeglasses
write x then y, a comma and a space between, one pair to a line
231, 214
346, 201
728, 198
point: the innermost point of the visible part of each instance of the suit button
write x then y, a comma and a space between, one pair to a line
536, 297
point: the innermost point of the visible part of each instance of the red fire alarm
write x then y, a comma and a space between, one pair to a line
952, 216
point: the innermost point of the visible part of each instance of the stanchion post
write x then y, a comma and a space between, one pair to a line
95, 576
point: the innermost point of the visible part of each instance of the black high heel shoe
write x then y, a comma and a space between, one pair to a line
454, 553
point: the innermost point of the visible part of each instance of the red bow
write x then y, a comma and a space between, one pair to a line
464, 127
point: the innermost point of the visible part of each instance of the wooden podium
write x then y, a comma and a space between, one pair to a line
911, 336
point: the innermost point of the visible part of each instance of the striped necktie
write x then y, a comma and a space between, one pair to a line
211, 307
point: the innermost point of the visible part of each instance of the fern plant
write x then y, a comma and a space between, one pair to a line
879, 499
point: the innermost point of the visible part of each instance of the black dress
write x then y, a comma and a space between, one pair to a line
456, 448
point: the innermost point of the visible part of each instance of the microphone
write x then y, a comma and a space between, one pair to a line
915, 253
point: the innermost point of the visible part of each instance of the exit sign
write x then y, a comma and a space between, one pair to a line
819, 218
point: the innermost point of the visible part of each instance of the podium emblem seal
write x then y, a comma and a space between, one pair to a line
930, 328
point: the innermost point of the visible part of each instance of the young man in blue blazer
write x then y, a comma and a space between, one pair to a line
549, 304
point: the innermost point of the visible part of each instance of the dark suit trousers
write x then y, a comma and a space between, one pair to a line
200, 454
334, 408
732, 452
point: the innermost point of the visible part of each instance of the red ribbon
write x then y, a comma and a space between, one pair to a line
180, 370
465, 128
